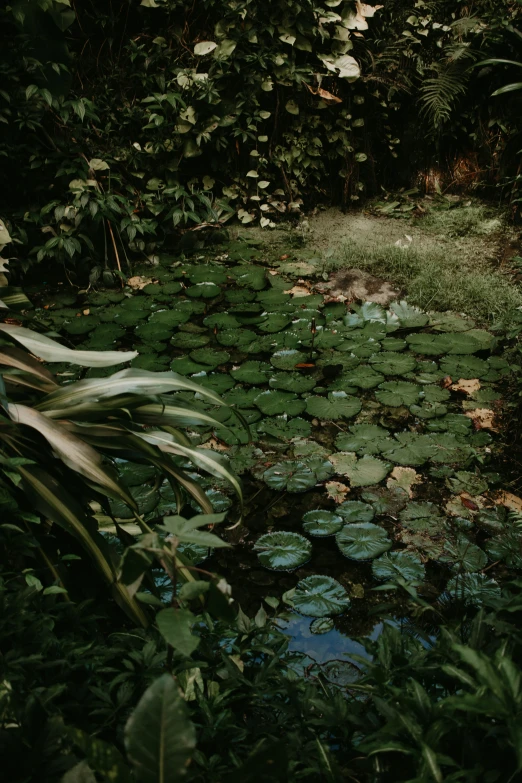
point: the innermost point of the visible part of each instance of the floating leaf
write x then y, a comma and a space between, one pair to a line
464, 481
321, 625
364, 377
291, 475
397, 393
473, 588
283, 550
320, 596
507, 546
364, 439
363, 472
466, 367
363, 541
389, 363
405, 565
355, 511
292, 382
252, 372
287, 359
410, 449
272, 403
284, 428
464, 555
338, 406
409, 317
322, 523
210, 356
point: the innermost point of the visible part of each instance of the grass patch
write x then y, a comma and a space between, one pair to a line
473, 220
435, 278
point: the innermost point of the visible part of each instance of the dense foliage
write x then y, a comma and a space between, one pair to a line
122, 124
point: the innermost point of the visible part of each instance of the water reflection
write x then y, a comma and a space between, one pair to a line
321, 648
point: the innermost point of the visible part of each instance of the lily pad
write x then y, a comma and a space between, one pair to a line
409, 449
292, 382
210, 356
272, 403
467, 367
355, 511
292, 476
287, 359
389, 363
405, 565
363, 541
472, 588
409, 317
364, 439
252, 372
283, 428
203, 290
321, 523
464, 555
188, 342
363, 377
397, 393
283, 550
338, 406
465, 481
235, 338
362, 472
320, 596
322, 625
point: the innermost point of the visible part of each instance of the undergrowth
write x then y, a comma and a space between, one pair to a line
435, 278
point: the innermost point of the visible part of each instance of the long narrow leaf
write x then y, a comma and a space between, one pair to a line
51, 351
58, 505
507, 88
73, 452
204, 458
132, 381
21, 360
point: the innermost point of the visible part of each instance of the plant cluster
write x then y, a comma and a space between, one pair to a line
133, 125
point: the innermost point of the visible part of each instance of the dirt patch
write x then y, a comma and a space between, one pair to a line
355, 284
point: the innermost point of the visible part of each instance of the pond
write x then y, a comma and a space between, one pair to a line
365, 437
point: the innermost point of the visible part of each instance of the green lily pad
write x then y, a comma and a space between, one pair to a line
185, 366
464, 555
292, 476
194, 553
321, 523
410, 449
150, 362
283, 428
274, 322
188, 342
507, 546
361, 472
428, 410
467, 367
287, 359
272, 403
450, 450
170, 318
367, 312
252, 372
221, 321
203, 291
81, 325
210, 356
235, 338
322, 625
207, 274
239, 296
450, 322
220, 382
146, 497
405, 565
409, 317
363, 541
397, 393
250, 276
283, 550
152, 332
132, 474
472, 588
393, 344
389, 363
364, 439
338, 406
465, 481
355, 511
292, 382
241, 398
363, 377
320, 596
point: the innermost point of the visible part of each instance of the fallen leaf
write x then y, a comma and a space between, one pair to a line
138, 282
273, 272
403, 478
466, 386
336, 491
283, 258
464, 505
298, 290
446, 382
214, 445
86, 312
482, 418
503, 498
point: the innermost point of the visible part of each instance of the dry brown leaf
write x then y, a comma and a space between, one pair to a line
513, 502
465, 505
273, 272
403, 478
482, 418
467, 386
214, 445
298, 290
336, 491
138, 282
327, 96
446, 382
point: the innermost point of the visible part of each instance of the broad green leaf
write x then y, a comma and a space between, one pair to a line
364, 439
397, 393
283, 550
355, 511
389, 363
290, 475
252, 372
473, 588
338, 406
287, 359
401, 564
321, 523
320, 596
175, 625
159, 736
363, 541
273, 403
409, 317
361, 472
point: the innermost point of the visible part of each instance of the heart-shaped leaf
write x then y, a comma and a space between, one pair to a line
322, 523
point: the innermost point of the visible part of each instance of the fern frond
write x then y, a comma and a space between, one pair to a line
439, 94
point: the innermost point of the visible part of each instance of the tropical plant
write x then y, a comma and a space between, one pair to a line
63, 447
